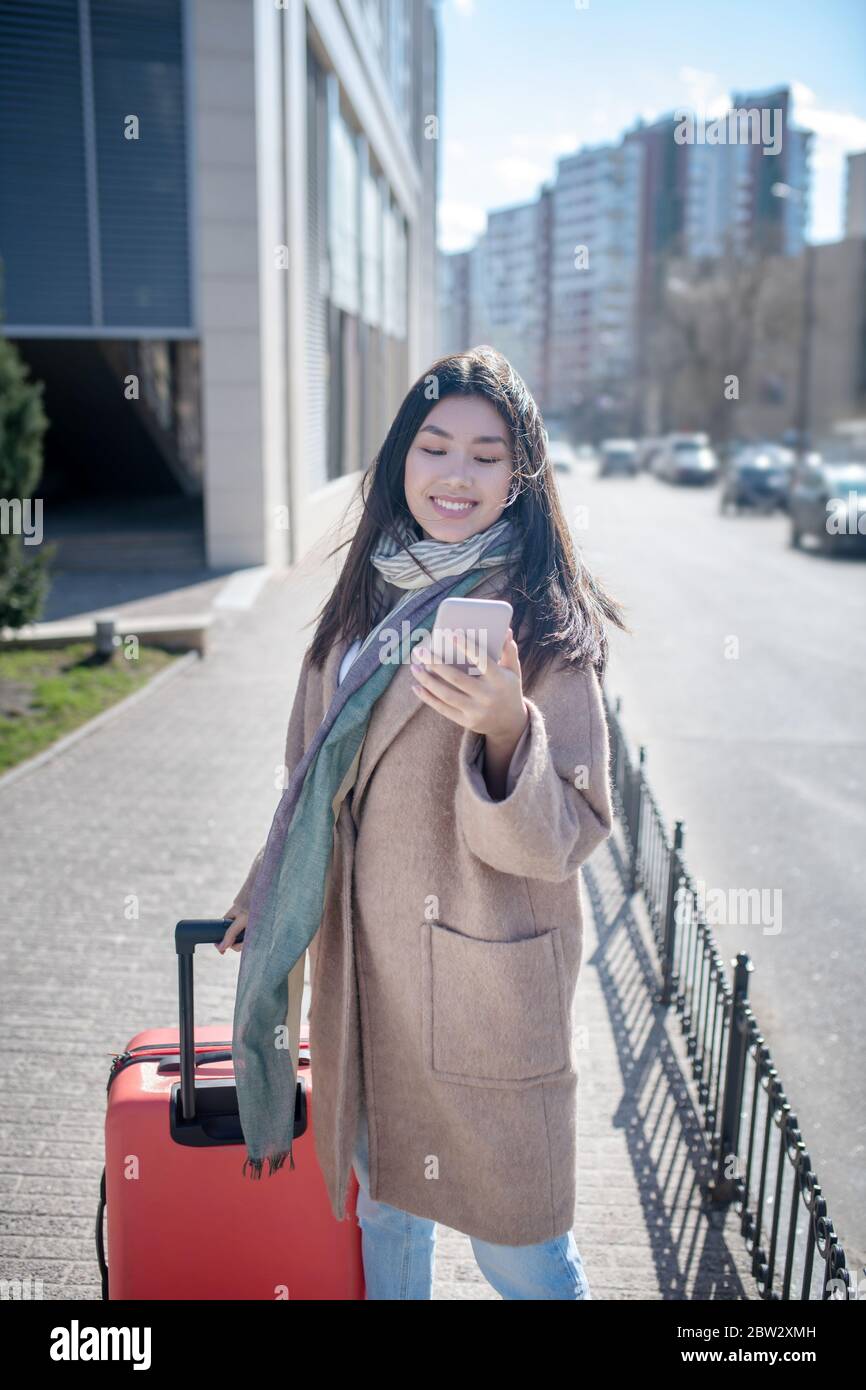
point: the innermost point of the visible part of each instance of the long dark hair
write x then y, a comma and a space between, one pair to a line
559, 608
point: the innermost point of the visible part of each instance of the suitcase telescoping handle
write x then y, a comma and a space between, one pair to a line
188, 935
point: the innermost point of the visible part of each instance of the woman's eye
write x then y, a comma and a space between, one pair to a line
437, 453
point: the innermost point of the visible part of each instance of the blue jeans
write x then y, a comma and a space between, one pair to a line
399, 1251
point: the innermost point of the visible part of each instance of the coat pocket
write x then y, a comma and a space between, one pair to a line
493, 1012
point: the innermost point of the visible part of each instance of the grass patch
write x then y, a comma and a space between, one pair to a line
46, 694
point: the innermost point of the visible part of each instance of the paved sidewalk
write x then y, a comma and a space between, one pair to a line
156, 816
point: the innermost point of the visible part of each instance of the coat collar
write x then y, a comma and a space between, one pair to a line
395, 706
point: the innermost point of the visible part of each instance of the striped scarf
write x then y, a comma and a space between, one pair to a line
440, 558
289, 889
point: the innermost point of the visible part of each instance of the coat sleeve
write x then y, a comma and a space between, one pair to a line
558, 806
293, 754
518, 758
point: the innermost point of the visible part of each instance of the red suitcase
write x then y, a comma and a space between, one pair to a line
183, 1221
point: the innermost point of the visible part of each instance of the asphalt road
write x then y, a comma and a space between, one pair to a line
745, 678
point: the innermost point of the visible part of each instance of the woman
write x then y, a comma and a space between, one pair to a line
446, 955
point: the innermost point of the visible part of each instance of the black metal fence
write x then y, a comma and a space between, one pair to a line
758, 1155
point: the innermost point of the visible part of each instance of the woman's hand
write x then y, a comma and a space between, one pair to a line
238, 923
491, 703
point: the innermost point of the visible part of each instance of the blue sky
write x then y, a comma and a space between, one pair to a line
524, 81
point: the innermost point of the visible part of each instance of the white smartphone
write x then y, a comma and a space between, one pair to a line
485, 621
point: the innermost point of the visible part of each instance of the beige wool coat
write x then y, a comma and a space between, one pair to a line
444, 969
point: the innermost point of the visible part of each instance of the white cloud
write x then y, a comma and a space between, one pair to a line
464, 7
703, 92
566, 143
520, 178
840, 128
460, 224
801, 94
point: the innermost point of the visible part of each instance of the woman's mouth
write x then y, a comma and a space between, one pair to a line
447, 506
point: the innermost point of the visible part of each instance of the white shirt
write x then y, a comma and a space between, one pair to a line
349, 657
518, 757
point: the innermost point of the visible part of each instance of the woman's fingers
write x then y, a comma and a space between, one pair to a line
510, 657
237, 924
441, 669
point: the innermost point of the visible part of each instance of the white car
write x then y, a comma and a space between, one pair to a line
686, 458
561, 455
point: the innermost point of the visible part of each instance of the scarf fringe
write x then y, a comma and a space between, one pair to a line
275, 1161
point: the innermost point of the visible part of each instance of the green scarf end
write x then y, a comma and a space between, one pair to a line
274, 1161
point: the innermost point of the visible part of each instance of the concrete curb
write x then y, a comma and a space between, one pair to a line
91, 725
176, 632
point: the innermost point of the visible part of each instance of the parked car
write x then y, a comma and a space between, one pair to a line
686, 458
827, 500
587, 454
618, 456
561, 455
758, 476
729, 449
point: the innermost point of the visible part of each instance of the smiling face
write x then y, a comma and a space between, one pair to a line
461, 454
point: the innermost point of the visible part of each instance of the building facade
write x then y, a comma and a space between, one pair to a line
855, 194
219, 252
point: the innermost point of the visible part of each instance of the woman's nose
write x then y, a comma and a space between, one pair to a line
461, 473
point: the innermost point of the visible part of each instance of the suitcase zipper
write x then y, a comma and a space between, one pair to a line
121, 1060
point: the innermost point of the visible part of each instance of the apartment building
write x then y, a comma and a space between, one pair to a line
594, 270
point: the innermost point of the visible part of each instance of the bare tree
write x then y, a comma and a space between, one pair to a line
712, 319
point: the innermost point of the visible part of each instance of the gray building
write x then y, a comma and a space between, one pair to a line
217, 239
837, 379
454, 317
595, 245
508, 289
731, 199
855, 195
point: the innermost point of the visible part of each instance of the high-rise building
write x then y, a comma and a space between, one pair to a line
749, 191
594, 254
509, 289
453, 300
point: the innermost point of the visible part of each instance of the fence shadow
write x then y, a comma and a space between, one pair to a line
694, 1249
753, 1164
